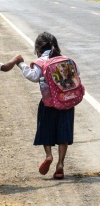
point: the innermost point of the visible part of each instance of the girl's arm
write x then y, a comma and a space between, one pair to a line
32, 74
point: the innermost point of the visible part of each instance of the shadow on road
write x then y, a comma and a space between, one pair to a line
13, 189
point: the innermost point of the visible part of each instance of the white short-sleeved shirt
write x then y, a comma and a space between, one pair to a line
34, 74
1, 65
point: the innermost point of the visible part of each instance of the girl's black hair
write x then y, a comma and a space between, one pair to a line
47, 41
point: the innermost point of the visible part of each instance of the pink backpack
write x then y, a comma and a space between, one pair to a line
60, 85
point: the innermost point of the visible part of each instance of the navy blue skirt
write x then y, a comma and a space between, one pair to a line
54, 126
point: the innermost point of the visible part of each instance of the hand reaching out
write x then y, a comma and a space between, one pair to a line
10, 64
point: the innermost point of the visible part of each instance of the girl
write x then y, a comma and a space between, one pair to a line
53, 126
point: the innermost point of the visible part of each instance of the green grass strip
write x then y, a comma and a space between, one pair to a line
94, 0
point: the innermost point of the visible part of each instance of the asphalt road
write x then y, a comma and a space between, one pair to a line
75, 23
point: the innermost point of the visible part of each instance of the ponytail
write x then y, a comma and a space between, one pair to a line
54, 52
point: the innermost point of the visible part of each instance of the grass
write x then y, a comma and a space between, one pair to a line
88, 174
95, 0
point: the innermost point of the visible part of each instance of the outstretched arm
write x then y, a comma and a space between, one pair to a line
33, 74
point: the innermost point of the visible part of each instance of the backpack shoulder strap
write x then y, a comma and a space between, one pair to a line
38, 62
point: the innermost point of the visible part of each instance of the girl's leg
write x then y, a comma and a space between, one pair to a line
44, 167
48, 152
59, 173
62, 149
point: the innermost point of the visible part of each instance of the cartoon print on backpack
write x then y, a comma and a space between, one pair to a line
65, 76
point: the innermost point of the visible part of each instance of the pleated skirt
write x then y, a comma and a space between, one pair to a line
54, 126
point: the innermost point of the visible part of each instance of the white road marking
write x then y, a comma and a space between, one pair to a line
92, 101
73, 7
55, 2
87, 96
17, 30
95, 13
